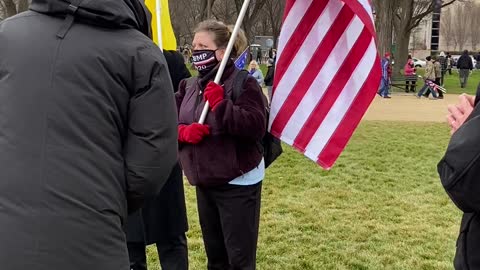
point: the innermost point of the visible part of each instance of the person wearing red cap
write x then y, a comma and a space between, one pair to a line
386, 74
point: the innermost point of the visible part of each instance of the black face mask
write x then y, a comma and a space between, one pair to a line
204, 60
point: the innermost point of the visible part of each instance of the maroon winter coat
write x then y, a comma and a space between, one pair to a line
236, 128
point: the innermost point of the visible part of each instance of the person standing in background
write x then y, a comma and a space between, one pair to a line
449, 63
442, 59
465, 65
259, 55
163, 219
255, 72
269, 78
409, 70
386, 71
438, 75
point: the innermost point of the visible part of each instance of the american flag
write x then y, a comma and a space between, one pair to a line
328, 72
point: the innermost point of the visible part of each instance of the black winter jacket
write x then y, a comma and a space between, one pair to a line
87, 131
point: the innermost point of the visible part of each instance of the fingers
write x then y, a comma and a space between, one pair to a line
450, 120
465, 103
456, 125
455, 112
470, 98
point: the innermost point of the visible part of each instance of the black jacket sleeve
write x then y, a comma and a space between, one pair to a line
151, 144
460, 166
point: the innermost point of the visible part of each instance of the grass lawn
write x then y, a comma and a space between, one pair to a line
452, 83
381, 207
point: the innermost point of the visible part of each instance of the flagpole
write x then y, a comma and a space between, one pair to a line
228, 51
158, 7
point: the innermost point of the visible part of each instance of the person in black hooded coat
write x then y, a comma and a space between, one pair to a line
465, 65
163, 219
87, 132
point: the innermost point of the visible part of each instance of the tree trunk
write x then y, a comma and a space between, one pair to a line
247, 26
401, 52
384, 24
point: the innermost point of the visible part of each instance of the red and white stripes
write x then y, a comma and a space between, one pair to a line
327, 74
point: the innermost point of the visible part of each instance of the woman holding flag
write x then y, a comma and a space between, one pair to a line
222, 157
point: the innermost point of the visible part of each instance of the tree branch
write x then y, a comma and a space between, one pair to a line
430, 10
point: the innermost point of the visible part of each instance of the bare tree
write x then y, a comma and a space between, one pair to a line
460, 33
225, 11
474, 12
263, 16
447, 29
253, 11
184, 20
273, 10
205, 8
10, 8
407, 16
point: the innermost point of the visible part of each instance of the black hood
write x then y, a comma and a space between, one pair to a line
119, 14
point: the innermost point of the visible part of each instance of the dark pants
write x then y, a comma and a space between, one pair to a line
464, 73
413, 85
173, 254
229, 218
442, 79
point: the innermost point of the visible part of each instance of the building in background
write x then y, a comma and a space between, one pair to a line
455, 34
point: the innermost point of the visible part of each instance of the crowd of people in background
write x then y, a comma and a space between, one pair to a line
436, 68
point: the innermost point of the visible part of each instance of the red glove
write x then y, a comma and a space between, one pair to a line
193, 133
214, 94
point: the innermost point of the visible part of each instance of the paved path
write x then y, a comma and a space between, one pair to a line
406, 107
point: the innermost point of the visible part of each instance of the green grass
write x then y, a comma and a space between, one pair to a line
381, 207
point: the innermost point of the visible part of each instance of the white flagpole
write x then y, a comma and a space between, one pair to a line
228, 51
158, 8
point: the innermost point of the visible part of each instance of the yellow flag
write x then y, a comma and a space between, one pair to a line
169, 42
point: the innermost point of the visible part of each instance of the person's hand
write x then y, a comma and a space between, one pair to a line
193, 133
460, 112
214, 94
